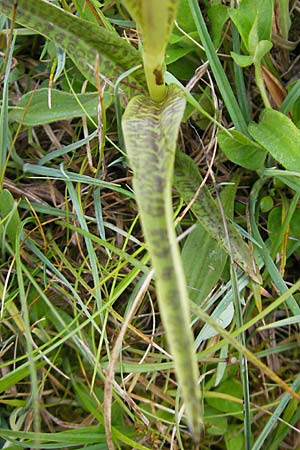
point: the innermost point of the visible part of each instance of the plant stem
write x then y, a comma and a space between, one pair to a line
261, 85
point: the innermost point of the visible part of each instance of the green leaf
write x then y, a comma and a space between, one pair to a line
64, 106
253, 13
275, 221
218, 15
80, 436
215, 424
253, 38
279, 136
243, 18
234, 438
291, 101
187, 180
230, 402
178, 47
9, 217
83, 41
241, 150
261, 50
203, 259
223, 318
242, 60
150, 134
217, 69
184, 18
11, 378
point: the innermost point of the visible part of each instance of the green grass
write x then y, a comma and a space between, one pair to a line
79, 309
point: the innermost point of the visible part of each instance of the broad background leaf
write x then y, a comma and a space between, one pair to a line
279, 136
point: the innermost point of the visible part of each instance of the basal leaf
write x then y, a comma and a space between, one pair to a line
184, 17
203, 258
203, 261
187, 181
83, 41
278, 135
150, 133
216, 424
64, 106
243, 18
234, 438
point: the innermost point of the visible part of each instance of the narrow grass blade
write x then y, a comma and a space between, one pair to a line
275, 416
251, 357
34, 401
264, 252
217, 69
4, 130
30, 244
65, 175
90, 249
239, 79
291, 98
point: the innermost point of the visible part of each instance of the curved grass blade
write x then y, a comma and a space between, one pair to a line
187, 181
83, 41
150, 133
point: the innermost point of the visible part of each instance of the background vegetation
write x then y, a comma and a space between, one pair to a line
74, 269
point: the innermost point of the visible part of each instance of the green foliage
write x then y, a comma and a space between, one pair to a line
216, 424
277, 134
86, 43
33, 108
203, 259
275, 219
253, 19
74, 267
187, 180
241, 150
218, 16
9, 218
234, 438
230, 397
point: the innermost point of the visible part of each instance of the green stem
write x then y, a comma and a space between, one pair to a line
261, 85
155, 79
